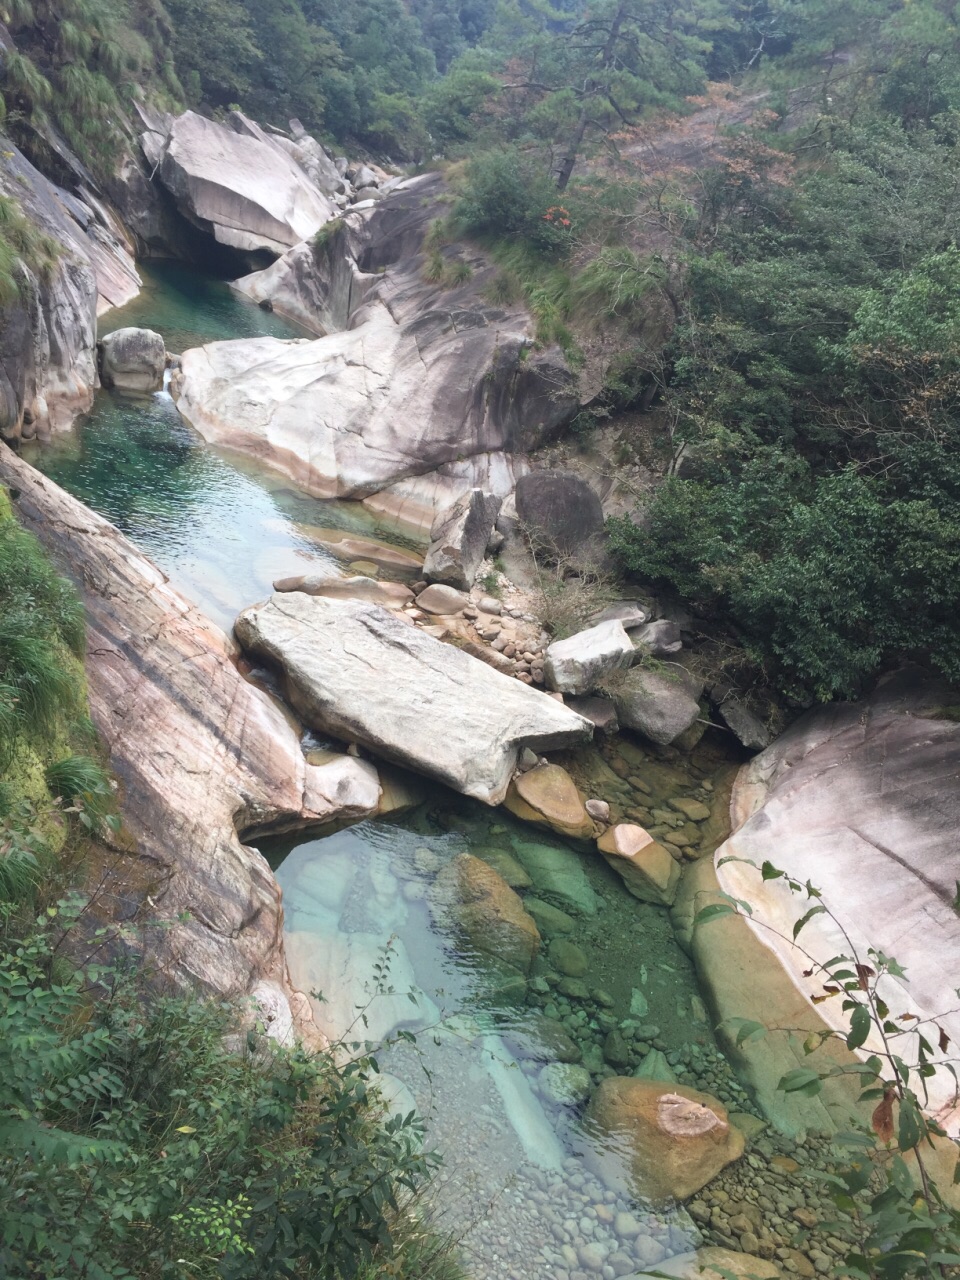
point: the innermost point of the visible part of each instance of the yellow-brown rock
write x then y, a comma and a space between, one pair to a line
713, 1263
472, 897
548, 797
658, 1141
646, 868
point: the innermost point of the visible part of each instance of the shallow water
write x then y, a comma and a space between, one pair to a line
517, 1183
222, 527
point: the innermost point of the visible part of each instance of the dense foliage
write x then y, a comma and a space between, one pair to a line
812, 385
135, 1143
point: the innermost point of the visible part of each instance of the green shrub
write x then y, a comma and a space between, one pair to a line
507, 194
133, 1143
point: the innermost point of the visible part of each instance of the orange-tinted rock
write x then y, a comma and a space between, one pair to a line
659, 1141
547, 796
646, 868
477, 900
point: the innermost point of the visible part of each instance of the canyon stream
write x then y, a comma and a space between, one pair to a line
498, 1068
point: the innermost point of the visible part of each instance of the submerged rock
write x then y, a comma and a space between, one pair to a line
657, 1140
132, 360
558, 874
714, 1263
564, 1084
357, 671
471, 897
394, 595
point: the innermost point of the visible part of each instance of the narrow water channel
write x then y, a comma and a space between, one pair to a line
500, 1069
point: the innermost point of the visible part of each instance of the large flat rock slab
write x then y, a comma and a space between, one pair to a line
204, 759
355, 670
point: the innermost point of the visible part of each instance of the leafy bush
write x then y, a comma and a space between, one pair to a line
133, 1143
508, 194
825, 577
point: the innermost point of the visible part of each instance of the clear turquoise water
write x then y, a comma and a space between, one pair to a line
222, 527
518, 1180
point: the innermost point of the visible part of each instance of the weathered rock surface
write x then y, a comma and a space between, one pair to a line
547, 796
200, 754
471, 897
863, 800
714, 1263
132, 360
660, 705
630, 613
459, 537
577, 665
660, 638
561, 513
740, 720
601, 712
662, 1141
646, 868
48, 367
410, 380
242, 187
357, 671
441, 599
393, 595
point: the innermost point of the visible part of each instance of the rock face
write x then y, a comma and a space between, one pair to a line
132, 360
646, 868
479, 903
411, 379
560, 512
548, 797
459, 537
201, 755
577, 664
48, 338
714, 1263
660, 638
660, 705
659, 1141
394, 595
356, 671
862, 799
242, 187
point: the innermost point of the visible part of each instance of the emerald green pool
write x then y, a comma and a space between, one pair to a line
223, 528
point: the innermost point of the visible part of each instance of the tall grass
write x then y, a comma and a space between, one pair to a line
41, 626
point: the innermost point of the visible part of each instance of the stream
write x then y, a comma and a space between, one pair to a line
498, 1068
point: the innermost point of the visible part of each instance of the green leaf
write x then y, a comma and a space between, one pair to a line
805, 919
860, 1027
801, 1080
713, 912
